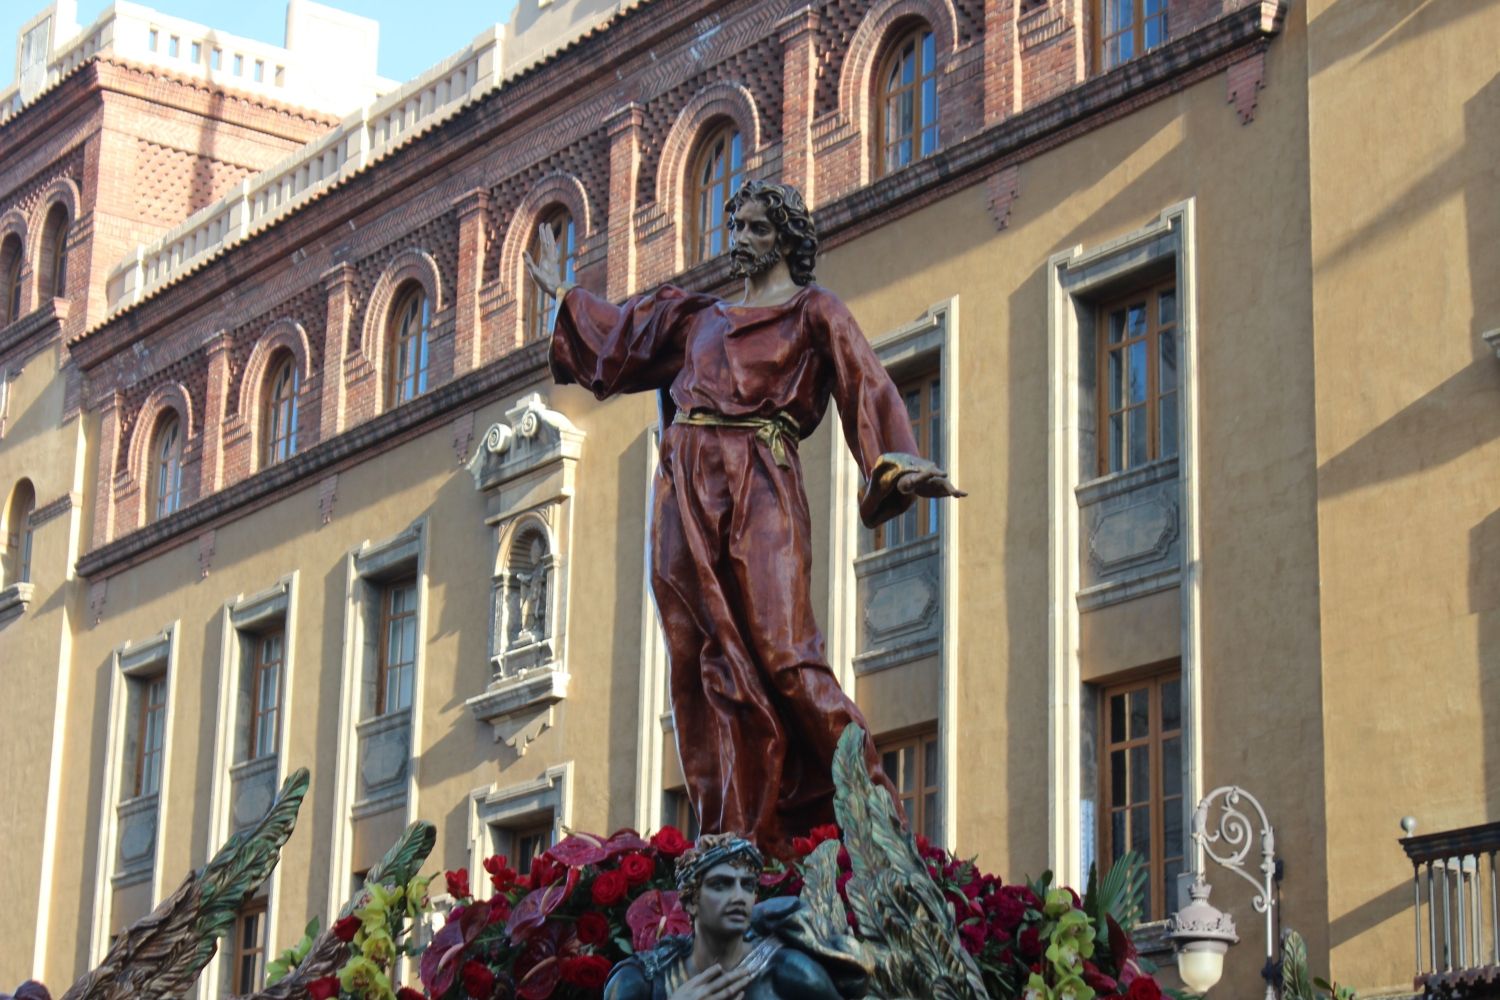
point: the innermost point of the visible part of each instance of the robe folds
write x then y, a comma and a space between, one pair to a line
758, 712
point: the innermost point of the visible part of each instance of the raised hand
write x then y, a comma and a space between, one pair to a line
927, 481
713, 983
546, 272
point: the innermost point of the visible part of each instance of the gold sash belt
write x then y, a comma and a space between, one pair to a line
774, 431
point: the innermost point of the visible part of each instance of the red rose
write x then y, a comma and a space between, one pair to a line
479, 982
638, 868
828, 831
1031, 943
592, 928
407, 993
545, 870
586, 971
323, 989
345, 928
670, 842
802, 846
458, 883
502, 876
610, 887
1144, 988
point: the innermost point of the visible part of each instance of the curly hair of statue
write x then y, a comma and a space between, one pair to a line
789, 214
714, 849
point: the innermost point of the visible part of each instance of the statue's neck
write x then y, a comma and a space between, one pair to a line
725, 952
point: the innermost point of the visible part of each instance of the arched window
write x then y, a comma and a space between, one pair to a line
10, 279
279, 412
408, 335
908, 127
53, 273
18, 533
718, 171
165, 474
541, 309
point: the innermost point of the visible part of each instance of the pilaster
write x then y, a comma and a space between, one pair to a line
211, 463
338, 284
472, 208
109, 453
1001, 62
625, 132
798, 35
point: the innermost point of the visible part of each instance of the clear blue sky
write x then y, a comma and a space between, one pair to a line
413, 36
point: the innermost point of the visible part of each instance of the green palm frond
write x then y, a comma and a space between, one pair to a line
1120, 892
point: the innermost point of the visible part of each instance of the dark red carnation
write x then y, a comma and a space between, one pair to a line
1144, 988
610, 887
407, 993
670, 842
545, 870
586, 971
971, 936
344, 929
592, 928
1030, 943
1006, 911
479, 981
324, 988
638, 868
458, 883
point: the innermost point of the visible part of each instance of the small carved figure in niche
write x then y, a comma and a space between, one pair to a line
532, 586
734, 951
758, 710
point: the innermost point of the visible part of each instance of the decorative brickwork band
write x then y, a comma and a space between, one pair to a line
1003, 189
1246, 77
53, 508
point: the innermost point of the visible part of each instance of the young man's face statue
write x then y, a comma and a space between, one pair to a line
724, 901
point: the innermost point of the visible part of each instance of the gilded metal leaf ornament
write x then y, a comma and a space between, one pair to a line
906, 937
161, 955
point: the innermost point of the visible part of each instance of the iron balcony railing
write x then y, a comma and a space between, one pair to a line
1454, 882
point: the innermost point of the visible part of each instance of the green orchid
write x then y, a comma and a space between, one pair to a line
379, 947
364, 979
376, 913
1072, 941
416, 896
1037, 989
1073, 988
280, 967
1057, 902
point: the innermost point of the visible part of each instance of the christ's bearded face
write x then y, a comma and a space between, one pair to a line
754, 242
724, 901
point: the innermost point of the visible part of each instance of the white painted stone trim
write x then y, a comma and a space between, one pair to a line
493, 805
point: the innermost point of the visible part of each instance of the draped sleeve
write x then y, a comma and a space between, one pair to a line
876, 425
633, 347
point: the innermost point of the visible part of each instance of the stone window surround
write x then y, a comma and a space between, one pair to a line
240, 619
366, 566
1076, 277
516, 805
930, 341
130, 662
280, 335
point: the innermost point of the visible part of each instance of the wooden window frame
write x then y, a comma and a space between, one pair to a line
18, 544
540, 832
1154, 681
714, 180
541, 308
923, 743
1151, 296
1139, 15
148, 759
239, 984
165, 473
384, 666
409, 370
12, 258
924, 518
264, 672
678, 811
279, 420
54, 257
919, 43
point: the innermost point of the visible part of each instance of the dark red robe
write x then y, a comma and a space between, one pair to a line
758, 712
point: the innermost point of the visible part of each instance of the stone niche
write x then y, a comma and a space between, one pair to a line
525, 467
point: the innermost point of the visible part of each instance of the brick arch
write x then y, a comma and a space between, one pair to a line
14, 223
411, 264
171, 396
61, 191
718, 100
282, 335
557, 188
868, 46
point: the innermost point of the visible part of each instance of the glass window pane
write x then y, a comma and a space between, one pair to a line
1171, 824
1167, 307
1140, 831
1117, 718
1167, 445
1138, 439
1137, 372
1171, 767
930, 764
1140, 774
930, 817
1117, 778
1172, 870
1167, 371
1117, 842
1116, 326
1140, 713
1115, 446
1116, 380
1171, 705
1155, 31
